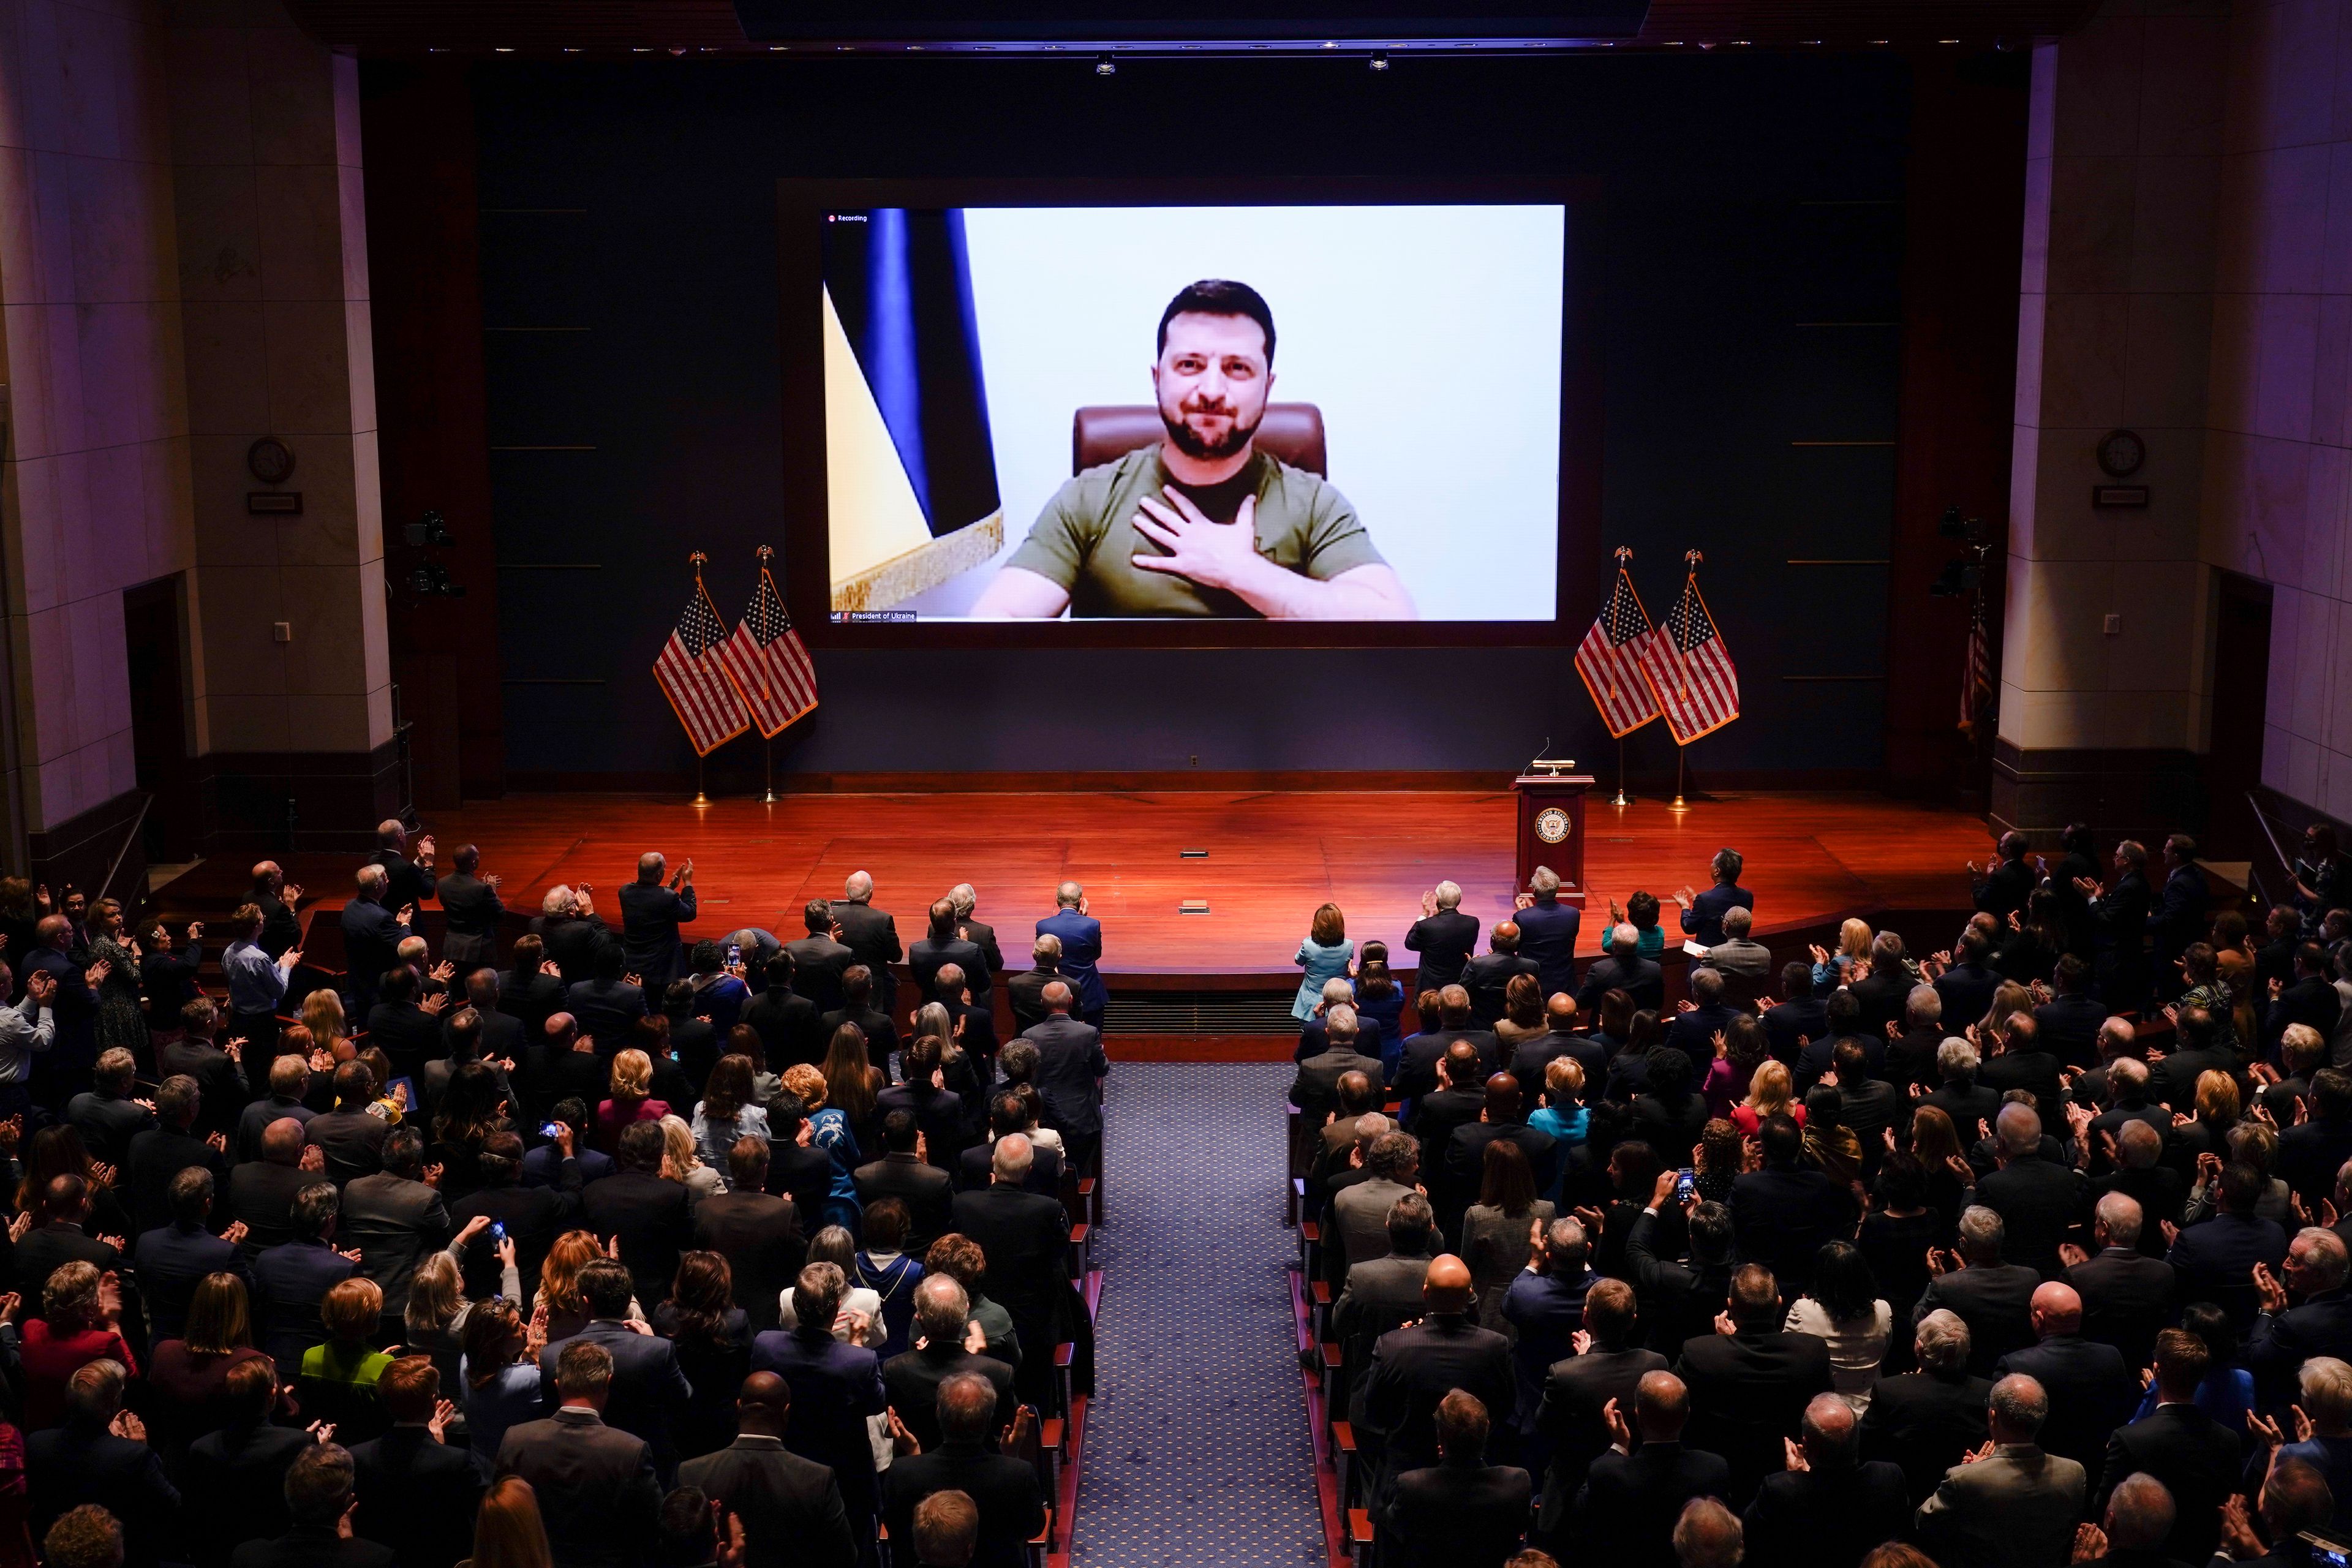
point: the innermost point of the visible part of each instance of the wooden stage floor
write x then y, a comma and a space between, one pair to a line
1272, 858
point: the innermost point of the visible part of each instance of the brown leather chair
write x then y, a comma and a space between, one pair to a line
1291, 431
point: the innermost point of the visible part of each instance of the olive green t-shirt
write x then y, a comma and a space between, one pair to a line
1086, 538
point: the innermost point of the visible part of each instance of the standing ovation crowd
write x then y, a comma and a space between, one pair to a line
589, 1248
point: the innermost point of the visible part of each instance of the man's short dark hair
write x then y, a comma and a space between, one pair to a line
1219, 297
898, 1132
318, 1485
642, 1146
605, 1286
687, 1536
312, 1209
192, 1195
583, 1369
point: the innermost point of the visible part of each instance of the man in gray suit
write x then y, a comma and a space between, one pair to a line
2009, 1504
1362, 1210
1315, 1088
395, 1218
1070, 1070
791, 1506
1383, 1293
596, 1483
1736, 954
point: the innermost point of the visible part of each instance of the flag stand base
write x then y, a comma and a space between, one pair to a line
700, 799
1620, 797
768, 767
1679, 804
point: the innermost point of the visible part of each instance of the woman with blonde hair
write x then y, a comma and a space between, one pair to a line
2009, 999
507, 1530
632, 1088
1831, 969
1324, 955
1770, 1093
322, 1015
682, 1162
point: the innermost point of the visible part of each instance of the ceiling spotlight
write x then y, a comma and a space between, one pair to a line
506, 48
1105, 66
1379, 62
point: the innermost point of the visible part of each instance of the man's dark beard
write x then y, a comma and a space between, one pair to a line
1190, 443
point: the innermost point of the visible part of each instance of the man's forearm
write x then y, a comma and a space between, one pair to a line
1279, 594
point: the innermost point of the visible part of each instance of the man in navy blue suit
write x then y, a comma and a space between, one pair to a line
1547, 932
651, 913
290, 1280
418, 1494
64, 1072
372, 939
2179, 918
1694, 1029
171, 1259
2285, 1337
649, 1389
1081, 937
1071, 1067
1702, 913
2215, 1259
834, 1387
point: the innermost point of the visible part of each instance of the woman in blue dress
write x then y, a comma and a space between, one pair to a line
1325, 955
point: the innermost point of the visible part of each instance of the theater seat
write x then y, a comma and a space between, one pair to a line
1291, 431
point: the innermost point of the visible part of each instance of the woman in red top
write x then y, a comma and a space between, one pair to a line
633, 1084
1769, 1092
80, 1307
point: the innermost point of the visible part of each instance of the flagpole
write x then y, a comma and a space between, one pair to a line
1621, 798
1691, 558
700, 798
767, 741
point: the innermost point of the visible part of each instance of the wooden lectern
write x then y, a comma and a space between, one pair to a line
1551, 828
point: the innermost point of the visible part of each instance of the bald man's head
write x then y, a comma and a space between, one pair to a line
1446, 1287
281, 1141
1830, 1430
763, 1405
1661, 1406
2057, 1309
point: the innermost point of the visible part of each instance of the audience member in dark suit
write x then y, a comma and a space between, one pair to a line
1488, 976
1548, 931
2199, 1048
1830, 1506
1460, 1511
1994, 1299
87, 1460
1025, 1238
532, 986
2132, 1533
261, 1191
350, 1136
291, 1278
319, 1495
1633, 1495
1315, 1090
1570, 1424
2215, 1259
1414, 1368
651, 913
2038, 1200
786, 1021
819, 959
941, 945
1008, 1113
281, 925
58, 1237
166, 1149
2071, 1020
1004, 1491
597, 1495
1026, 990
1967, 987
651, 1216
1925, 1421
1749, 1388
1692, 1033
372, 933
2015, 1507
1071, 1067
236, 1477
395, 1218
869, 933
2022, 1064
418, 1495
171, 1259
1529, 1057
407, 1029
2311, 1154
791, 1506
2285, 1336
1680, 1301
912, 1380
219, 1074
759, 1233
834, 1387
1502, 1119
2195, 1457
1784, 1212
928, 1191
1444, 936
470, 903
2119, 919
858, 988
1883, 996
1800, 1015
646, 1391
2001, 888
106, 1115
1702, 913
2127, 1295
1623, 970
607, 1006
2310, 998
2092, 1388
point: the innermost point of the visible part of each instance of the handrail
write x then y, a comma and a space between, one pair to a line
2262, 818
137, 823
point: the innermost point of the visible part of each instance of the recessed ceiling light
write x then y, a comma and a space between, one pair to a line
504, 49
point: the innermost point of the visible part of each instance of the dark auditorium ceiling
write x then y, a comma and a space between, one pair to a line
554, 27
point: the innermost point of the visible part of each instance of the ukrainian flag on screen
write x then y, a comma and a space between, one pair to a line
912, 477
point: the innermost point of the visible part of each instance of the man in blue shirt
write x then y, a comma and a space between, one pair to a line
25, 1029
1081, 939
256, 983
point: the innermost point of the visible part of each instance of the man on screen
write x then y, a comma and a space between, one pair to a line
1204, 523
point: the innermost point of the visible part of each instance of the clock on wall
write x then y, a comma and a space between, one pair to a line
2121, 452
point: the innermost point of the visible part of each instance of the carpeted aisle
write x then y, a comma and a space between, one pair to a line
1197, 1449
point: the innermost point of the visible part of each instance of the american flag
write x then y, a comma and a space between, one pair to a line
769, 662
691, 677
1688, 668
1976, 674
1606, 658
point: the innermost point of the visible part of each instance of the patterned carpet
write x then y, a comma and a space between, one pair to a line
1197, 1449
